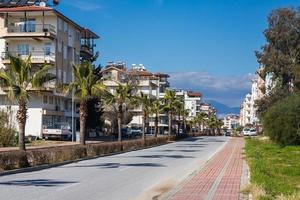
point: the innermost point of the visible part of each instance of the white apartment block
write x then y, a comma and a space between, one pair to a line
50, 38
231, 121
146, 82
248, 112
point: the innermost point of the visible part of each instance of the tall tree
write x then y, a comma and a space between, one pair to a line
280, 56
201, 119
169, 101
179, 109
156, 109
19, 79
145, 102
86, 86
121, 99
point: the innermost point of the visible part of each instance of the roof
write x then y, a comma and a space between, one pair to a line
194, 94
25, 8
161, 74
140, 73
47, 9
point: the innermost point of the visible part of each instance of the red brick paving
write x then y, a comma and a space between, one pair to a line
227, 182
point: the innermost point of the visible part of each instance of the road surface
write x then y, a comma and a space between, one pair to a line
139, 174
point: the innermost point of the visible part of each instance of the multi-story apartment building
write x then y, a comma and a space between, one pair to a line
248, 112
144, 81
50, 38
231, 121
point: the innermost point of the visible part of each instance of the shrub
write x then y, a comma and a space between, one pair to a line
281, 122
103, 148
13, 160
8, 135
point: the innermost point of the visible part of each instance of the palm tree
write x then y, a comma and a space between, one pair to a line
201, 119
20, 79
120, 99
156, 109
185, 115
169, 106
179, 108
145, 102
212, 123
86, 85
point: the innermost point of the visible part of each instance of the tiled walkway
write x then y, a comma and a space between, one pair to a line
220, 179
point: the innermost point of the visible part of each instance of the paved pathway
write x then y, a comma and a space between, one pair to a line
141, 175
220, 179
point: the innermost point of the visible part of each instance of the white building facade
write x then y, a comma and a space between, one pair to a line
50, 38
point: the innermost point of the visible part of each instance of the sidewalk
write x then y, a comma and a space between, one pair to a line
220, 179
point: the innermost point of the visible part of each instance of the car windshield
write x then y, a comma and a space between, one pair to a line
246, 129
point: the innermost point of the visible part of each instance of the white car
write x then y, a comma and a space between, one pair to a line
246, 131
252, 132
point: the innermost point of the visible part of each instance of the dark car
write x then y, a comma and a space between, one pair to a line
227, 133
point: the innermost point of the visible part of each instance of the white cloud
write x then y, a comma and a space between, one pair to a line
229, 90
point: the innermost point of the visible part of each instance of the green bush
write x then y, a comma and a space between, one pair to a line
8, 135
13, 160
281, 121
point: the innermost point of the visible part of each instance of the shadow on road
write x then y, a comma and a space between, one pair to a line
164, 156
116, 165
37, 183
182, 150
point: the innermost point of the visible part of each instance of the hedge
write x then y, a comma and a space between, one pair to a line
51, 155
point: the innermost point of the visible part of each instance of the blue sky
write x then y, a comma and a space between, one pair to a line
206, 45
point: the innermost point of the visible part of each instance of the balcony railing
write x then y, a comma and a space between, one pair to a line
32, 28
36, 56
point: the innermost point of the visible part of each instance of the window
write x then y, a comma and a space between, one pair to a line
27, 25
65, 52
59, 46
65, 27
59, 24
50, 99
47, 49
66, 105
23, 49
45, 99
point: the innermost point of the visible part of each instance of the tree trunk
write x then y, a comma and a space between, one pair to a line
83, 115
156, 124
170, 125
143, 126
21, 117
178, 125
119, 127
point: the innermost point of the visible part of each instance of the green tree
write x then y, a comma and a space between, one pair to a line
19, 80
280, 56
156, 109
145, 102
201, 119
85, 86
179, 109
169, 102
121, 99
282, 121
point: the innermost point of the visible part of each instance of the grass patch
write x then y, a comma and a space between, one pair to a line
275, 169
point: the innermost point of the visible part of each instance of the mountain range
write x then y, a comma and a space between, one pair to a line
223, 109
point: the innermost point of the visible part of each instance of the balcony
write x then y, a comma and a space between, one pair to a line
37, 57
86, 51
31, 31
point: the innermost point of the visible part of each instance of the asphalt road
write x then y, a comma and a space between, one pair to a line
134, 175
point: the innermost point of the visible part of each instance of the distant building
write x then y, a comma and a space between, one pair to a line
231, 121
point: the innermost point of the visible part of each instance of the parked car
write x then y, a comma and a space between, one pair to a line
57, 131
227, 133
246, 131
252, 132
